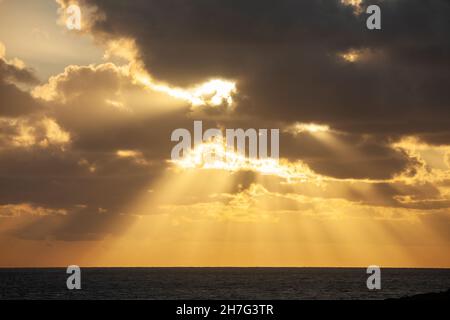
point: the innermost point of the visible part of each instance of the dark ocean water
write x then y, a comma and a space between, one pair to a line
219, 283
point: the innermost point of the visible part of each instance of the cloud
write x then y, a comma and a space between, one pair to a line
14, 70
25, 209
287, 57
73, 224
13, 74
135, 156
15, 102
26, 133
75, 79
93, 137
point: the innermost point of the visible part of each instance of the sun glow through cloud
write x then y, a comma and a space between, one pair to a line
298, 128
214, 92
356, 4
216, 155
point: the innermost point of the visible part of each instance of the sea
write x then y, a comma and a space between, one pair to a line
219, 283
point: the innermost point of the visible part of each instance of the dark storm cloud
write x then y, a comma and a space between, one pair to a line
285, 56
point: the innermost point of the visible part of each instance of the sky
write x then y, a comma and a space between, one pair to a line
86, 117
